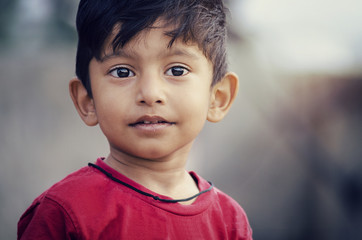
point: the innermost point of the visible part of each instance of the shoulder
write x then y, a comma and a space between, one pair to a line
228, 204
46, 219
78, 183
227, 200
84, 191
62, 209
69, 187
229, 212
234, 215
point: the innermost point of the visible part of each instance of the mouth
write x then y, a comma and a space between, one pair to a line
151, 121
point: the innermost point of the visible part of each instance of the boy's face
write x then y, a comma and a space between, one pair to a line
151, 100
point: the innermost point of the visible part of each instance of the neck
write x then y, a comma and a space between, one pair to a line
163, 176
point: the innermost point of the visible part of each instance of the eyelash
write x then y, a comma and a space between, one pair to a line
177, 68
115, 72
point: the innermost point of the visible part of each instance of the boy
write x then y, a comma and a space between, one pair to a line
149, 73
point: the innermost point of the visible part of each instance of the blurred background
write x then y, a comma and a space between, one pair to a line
289, 151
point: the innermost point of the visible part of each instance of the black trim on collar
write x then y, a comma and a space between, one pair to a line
148, 194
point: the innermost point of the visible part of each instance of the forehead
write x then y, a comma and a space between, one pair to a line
152, 38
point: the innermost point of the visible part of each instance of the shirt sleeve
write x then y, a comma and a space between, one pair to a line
235, 218
46, 219
241, 229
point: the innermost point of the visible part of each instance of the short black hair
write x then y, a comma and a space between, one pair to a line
200, 21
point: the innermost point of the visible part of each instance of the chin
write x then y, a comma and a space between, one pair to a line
155, 156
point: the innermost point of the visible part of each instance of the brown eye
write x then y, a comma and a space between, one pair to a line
122, 72
177, 71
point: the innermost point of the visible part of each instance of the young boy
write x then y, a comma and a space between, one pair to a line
149, 73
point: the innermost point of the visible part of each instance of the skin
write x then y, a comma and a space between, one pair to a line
151, 101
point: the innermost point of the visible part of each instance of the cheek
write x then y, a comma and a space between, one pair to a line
109, 109
195, 103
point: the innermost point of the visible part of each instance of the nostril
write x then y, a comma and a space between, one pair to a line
146, 102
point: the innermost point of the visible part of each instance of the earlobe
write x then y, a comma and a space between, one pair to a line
82, 102
223, 95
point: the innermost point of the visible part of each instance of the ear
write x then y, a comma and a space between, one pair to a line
82, 102
223, 95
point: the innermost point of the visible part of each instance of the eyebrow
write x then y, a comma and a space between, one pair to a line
130, 54
115, 54
181, 52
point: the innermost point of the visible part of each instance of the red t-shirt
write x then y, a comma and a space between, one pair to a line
88, 204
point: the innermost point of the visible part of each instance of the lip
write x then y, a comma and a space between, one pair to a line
150, 120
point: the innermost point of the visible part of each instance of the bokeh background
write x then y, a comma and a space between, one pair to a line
290, 151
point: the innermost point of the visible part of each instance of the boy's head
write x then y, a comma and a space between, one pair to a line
192, 21
151, 72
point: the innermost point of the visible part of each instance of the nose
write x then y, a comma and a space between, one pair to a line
151, 90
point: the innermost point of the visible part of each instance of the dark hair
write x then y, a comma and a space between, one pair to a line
199, 21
